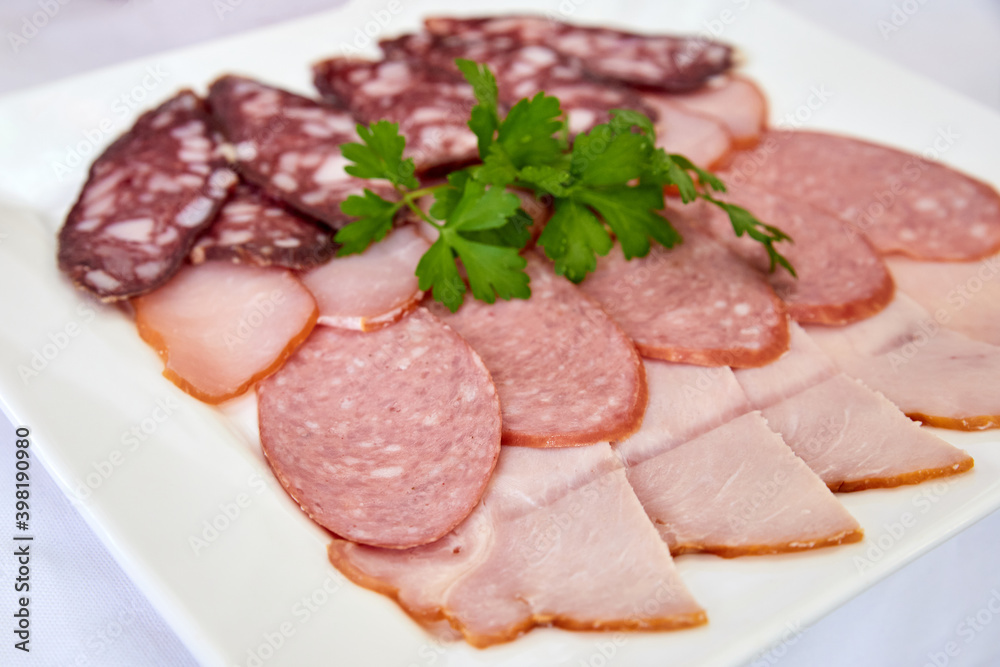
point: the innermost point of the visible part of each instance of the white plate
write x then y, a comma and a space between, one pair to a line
152, 469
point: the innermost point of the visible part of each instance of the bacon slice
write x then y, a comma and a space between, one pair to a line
695, 303
255, 229
841, 278
932, 374
566, 374
733, 100
902, 203
373, 289
395, 468
964, 296
289, 145
657, 61
146, 200
221, 327
529, 556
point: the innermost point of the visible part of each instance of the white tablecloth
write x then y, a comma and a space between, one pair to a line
86, 610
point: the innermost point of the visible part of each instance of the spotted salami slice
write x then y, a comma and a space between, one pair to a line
146, 200
658, 61
289, 145
431, 105
566, 374
695, 303
841, 277
901, 202
254, 229
385, 438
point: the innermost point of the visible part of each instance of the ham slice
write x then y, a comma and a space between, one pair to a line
373, 289
695, 303
386, 438
803, 366
566, 373
904, 204
704, 140
221, 327
739, 490
529, 556
932, 374
735, 101
841, 278
964, 296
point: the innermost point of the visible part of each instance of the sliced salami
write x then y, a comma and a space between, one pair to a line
432, 106
901, 202
146, 200
385, 438
695, 303
657, 61
254, 229
841, 277
566, 374
289, 145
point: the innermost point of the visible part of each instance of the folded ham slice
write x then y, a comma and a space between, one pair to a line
373, 289
964, 296
735, 101
566, 373
704, 140
529, 555
932, 374
221, 327
695, 303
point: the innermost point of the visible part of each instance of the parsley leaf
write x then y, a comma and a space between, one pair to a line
525, 135
381, 155
375, 221
744, 222
572, 237
484, 119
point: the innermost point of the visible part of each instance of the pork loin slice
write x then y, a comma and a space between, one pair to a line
289, 145
385, 438
803, 366
932, 374
855, 439
704, 140
739, 490
371, 290
566, 374
254, 229
964, 296
841, 278
904, 204
665, 62
695, 303
146, 200
733, 100
529, 556
220, 327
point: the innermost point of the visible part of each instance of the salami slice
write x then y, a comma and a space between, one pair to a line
146, 200
566, 374
696, 303
289, 146
901, 202
254, 229
432, 106
657, 61
385, 438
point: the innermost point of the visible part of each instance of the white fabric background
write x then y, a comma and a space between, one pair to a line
86, 611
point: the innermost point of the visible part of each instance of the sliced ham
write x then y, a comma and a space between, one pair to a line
386, 438
841, 278
565, 372
932, 374
254, 229
803, 366
735, 101
373, 289
964, 296
529, 556
739, 490
704, 140
901, 202
695, 303
221, 327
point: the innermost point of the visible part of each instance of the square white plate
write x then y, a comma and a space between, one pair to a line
178, 490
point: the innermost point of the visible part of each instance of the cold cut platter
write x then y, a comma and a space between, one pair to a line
195, 494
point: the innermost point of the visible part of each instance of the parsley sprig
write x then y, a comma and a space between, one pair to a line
609, 182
